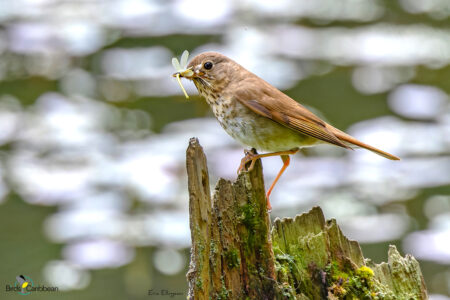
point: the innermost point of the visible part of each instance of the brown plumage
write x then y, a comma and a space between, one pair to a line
259, 115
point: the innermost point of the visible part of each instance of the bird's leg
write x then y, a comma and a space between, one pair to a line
251, 156
286, 160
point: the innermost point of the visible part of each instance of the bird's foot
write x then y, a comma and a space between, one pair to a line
250, 156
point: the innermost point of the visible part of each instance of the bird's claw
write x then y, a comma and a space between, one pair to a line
250, 156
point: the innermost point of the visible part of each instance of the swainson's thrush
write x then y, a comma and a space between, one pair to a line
258, 115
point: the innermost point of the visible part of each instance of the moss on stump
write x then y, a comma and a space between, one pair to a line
236, 254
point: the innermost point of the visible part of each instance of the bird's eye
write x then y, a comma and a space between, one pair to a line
208, 65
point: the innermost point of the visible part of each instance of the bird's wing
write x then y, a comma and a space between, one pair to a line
269, 102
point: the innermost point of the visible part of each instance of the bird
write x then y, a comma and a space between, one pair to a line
260, 116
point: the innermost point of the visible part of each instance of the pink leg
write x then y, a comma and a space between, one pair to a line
286, 160
253, 157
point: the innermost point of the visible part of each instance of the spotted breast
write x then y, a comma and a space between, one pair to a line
248, 128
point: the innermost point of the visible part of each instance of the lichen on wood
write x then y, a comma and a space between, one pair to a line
231, 255
314, 260
236, 254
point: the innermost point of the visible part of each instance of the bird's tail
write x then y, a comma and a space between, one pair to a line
352, 141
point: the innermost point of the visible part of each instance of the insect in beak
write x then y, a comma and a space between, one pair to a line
188, 73
180, 67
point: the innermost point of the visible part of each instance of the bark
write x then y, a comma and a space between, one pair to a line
236, 254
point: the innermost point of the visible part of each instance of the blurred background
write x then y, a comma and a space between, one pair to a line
93, 190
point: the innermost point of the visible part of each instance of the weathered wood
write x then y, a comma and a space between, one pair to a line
314, 260
401, 275
232, 255
200, 220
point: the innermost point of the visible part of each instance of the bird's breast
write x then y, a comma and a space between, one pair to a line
253, 130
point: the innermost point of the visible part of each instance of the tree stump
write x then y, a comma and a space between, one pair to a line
235, 253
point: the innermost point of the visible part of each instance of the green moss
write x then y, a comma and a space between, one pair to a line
220, 224
213, 247
291, 272
336, 273
201, 249
212, 253
249, 218
351, 284
287, 291
285, 262
342, 281
224, 292
365, 273
292, 263
232, 258
199, 284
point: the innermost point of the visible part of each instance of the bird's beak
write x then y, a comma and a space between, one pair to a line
188, 73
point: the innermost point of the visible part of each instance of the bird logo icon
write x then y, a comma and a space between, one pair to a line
23, 282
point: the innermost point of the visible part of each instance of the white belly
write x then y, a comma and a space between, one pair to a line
255, 131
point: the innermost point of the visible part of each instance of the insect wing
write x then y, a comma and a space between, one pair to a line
184, 59
176, 64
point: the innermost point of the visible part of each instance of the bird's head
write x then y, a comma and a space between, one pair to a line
209, 69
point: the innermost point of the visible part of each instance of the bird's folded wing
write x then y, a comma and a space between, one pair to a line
269, 102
